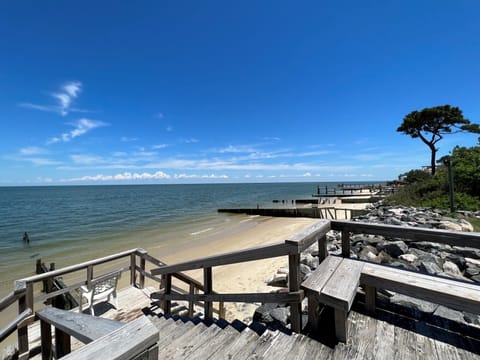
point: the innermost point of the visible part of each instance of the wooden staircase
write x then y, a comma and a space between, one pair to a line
203, 338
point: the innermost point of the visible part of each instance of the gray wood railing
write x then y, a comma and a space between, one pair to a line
26, 299
291, 247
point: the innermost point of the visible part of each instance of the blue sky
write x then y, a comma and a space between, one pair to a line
97, 92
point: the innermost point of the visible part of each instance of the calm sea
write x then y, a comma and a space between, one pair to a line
69, 224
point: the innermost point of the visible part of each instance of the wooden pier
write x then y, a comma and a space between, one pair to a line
343, 322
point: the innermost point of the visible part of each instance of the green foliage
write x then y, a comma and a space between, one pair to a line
414, 176
466, 169
431, 124
433, 191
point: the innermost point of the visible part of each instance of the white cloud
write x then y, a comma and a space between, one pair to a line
237, 149
32, 150
87, 159
190, 141
82, 126
159, 146
41, 161
121, 177
64, 99
128, 139
307, 174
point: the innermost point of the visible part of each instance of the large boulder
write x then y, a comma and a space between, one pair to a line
393, 248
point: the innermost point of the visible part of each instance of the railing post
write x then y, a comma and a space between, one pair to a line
22, 332
322, 248
191, 303
133, 268
207, 285
166, 304
293, 286
345, 243
141, 283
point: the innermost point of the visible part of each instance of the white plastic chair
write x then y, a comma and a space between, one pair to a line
100, 290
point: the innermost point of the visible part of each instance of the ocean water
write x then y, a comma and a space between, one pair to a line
69, 224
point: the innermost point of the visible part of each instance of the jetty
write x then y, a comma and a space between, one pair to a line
335, 313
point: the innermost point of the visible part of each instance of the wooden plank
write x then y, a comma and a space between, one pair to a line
135, 337
8, 300
77, 267
307, 237
454, 238
322, 248
12, 325
370, 299
345, 243
384, 339
182, 338
452, 293
256, 253
46, 340
83, 327
340, 289
244, 343
63, 344
204, 340
208, 284
242, 297
317, 280
222, 340
294, 280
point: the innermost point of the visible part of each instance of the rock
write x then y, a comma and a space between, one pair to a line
466, 226
450, 225
450, 314
476, 278
384, 258
413, 303
429, 246
368, 249
452, 270
283, 270
466, 252
262, 313
281, 314
456, 259
472, 271
408, 257
471, 318
278, 280
394, 248
310, 261
429, 267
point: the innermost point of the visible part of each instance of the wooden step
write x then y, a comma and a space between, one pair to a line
245, 342
221, 341
181, 338
261, 345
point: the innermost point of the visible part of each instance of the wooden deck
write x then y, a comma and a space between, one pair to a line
385, 337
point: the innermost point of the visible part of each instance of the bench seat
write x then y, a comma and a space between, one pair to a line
455, 294
334, 283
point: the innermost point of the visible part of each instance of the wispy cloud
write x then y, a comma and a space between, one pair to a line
64, 98
32, 150
121, 177
82, 126
159, 146
190, 141
237, 149
128, 139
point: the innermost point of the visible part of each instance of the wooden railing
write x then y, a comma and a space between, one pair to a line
453, 238
291, 248
24, 295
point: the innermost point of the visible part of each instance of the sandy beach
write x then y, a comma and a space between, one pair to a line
243, 277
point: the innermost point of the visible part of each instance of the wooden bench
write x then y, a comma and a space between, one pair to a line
107, 339
81, 326
334, 283
100, 289
455, 294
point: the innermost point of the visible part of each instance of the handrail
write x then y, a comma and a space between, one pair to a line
8, 300
12, 325
295, 245
251, 254
454, 238
77, 267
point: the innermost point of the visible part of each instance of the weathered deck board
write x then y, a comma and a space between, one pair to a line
370, 338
